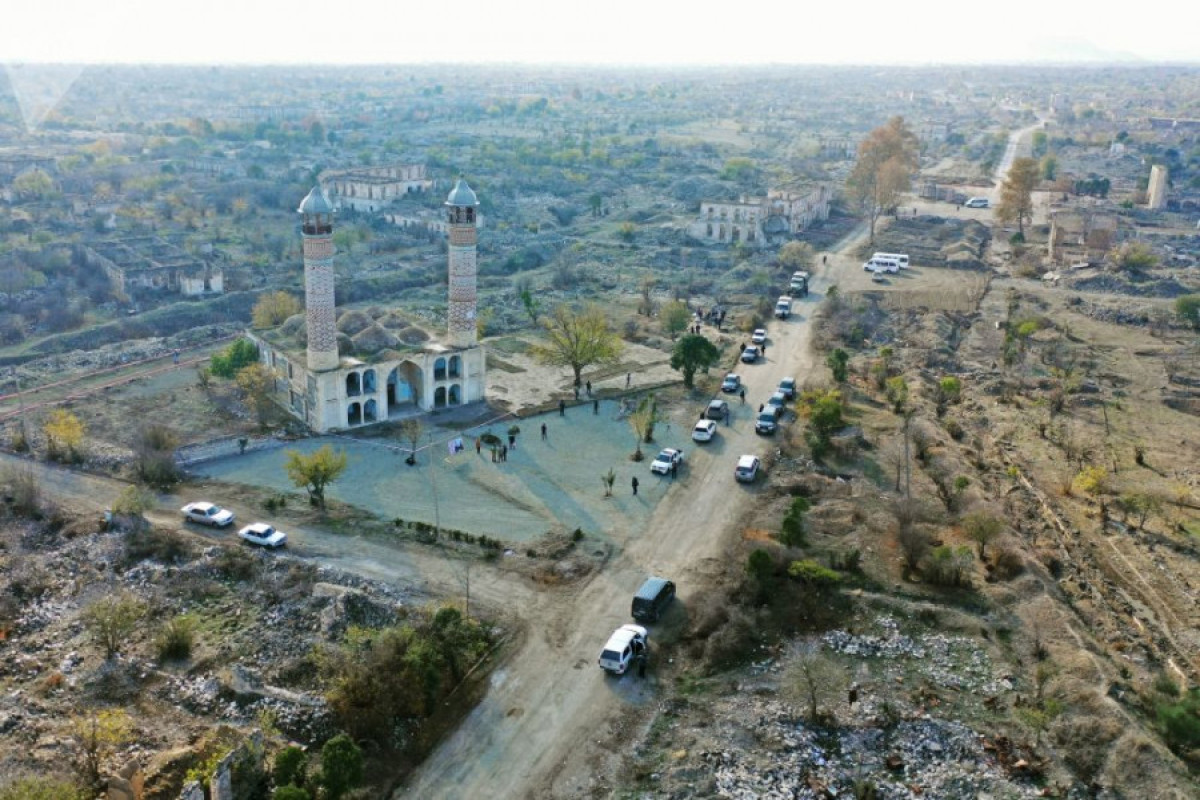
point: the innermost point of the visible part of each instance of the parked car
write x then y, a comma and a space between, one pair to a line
750, 354
717, 409
783, 307
732, 382
747, 468
766, 422
667, 457
976, 202
704, 431
798, 287
650, 600
759, 336
787, 387
207, 514
261, 533
777, 401
626, 642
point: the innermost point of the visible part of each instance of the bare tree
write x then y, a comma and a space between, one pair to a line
816, 680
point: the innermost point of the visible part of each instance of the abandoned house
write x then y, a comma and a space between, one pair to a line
151, 263
373, 188
762, 221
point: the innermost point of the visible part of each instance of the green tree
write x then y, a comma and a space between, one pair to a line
823, 409
981, 528
33, 185
531, 305
315, 471
96, 736
693, 352
239, 354
112, 619
813, 574
838, 362
887, 159
948, 391
1180, 721
760, 565
796, 256
274, 308
675, 318
896, 391
791, 529
1016, 193
341, 766
578, 340
1048, 167
290, 765
41, 788
1187, 308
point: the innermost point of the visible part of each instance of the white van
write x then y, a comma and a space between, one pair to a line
976, 202
878, 265
901, 258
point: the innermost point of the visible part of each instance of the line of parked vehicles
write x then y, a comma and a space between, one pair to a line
890, 263
631, 642
211, 514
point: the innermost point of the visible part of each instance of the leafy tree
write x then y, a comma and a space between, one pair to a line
887, 159
814, 574
1180, 721
290, 765
154, 447
341, 766
315, 471
64, 435
796, 256
691, 353
823, 409
257, 383
1135, 257
239, 354
949, 390
578, 340
33, 185
791, 529
1016, 193
838, 362
96, 736
760, 565
1091, 480
110, 620
896, 391
531, 305
642, 420
274, 308
981, 528
289, 792
1187, 308
1048, 168
949, 566
675, 318
40, 788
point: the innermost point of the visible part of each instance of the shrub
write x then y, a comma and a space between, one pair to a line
1180, 721
290, 765
40, 788
229, 361
166, 547
949, 566
1091, 480
1008, 563
290, 793
341, 766
176, 637
791, 530
110, 620
812, 573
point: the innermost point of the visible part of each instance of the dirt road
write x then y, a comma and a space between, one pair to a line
540, 728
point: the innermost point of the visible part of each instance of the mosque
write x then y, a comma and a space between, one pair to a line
389, 376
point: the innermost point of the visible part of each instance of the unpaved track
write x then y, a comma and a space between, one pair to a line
536, 732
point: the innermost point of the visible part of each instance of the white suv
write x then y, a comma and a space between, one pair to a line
627, 642
747, 469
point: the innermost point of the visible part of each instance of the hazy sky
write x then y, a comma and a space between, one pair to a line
616, 31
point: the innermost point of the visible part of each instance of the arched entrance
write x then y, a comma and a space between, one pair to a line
454, 397
405, 388
369, 411
354, 414
439, 397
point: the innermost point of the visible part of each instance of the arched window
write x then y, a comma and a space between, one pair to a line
455, 366
354, 414
455, 396
369, 411
368, 382
439, 369
353, 387
439, 397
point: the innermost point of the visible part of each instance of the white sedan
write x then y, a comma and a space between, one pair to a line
261, 533
759, 336
704, 431
665, 460
207, 514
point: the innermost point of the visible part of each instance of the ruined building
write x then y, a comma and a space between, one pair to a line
762, 221
153, 264
373, 188
332, 380
1156, 191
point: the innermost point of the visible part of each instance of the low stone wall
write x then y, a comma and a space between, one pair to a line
223, 447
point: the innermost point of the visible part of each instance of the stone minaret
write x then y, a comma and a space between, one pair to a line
316, 228
462, 205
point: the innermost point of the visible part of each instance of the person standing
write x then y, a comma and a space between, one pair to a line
628, 378
742, 394
596, 406
478, 445
763, 347
726, 416
589, 388
635, 485
674, 469
562, 408
504, 452
543, 431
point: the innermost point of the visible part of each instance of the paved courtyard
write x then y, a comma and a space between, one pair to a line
545, 485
